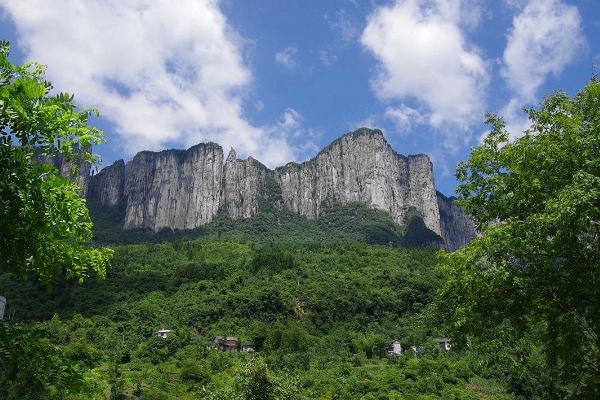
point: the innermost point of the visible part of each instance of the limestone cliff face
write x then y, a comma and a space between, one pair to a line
422, 193
177, 189
458, 228
362, 167
184, 189
243, 181
108, 185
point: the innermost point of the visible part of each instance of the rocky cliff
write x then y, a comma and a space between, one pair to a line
458, 228
177, 189
362, 167
243, 182
184, 189
107, 186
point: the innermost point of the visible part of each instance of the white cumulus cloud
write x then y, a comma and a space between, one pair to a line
425, 60
160, 72
344, 25
404, 116
290, 125
546, 36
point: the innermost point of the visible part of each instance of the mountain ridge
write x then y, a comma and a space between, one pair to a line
185, 189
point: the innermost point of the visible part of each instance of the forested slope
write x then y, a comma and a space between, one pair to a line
338, 224
321, 318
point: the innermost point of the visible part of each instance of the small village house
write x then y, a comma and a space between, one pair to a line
444, 343
162, 333
395, 349
248, 347
230, 344
224, 343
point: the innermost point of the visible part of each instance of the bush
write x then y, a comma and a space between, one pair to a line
194, 371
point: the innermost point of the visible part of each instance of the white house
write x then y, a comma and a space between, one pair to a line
162, 333
395, 349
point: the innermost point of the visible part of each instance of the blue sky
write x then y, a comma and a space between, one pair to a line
279, 80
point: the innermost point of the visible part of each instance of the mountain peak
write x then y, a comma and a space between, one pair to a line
232, 156
364, 131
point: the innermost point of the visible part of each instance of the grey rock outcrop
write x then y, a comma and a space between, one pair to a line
458, 227
108, 185
177, 189
362, 167
184, 189
242, 184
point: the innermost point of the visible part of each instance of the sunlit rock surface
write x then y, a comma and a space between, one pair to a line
184, 189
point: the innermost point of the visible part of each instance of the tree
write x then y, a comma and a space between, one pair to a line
32, 368
535, 269
256, 382
44, 223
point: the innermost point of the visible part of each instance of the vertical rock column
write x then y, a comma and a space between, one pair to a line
423, 196
458, 227
242, 184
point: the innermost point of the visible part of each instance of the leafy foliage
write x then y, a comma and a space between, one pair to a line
534, 271
45, 229
43, 221
33, 368
258, 383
